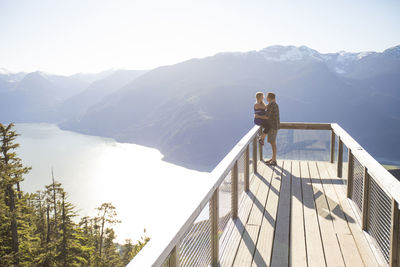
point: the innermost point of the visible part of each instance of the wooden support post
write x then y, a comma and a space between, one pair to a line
365, 200
174, 258
234, 196
332, 146
214, 228
350, 175
340, 159
394, 235
247, 169
260, 148
255, 155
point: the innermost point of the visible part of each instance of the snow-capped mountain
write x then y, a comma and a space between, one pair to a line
290, 53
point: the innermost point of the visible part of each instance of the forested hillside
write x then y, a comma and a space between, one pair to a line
42, 229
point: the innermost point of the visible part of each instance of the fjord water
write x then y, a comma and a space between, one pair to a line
147, 191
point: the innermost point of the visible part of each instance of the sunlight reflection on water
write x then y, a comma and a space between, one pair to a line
146, 191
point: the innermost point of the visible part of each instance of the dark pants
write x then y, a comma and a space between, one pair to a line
264, 123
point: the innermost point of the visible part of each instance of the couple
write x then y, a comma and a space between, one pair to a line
267, 116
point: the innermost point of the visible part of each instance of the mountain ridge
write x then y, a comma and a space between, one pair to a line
193, 111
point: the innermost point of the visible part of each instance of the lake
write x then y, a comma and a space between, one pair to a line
147, 191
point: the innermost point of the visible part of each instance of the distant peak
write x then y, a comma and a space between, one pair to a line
4, 71
393, 51
289, 53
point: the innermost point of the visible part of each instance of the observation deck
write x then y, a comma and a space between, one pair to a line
326, 203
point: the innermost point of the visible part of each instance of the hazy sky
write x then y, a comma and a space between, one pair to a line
80, 35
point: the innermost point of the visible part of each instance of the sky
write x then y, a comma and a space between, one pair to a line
70, 36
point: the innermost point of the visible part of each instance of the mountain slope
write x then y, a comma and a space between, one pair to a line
79, 103
196, 110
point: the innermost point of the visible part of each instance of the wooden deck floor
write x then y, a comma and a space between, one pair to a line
295, 214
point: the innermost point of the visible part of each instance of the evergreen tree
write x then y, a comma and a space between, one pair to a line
11, 174
38, 229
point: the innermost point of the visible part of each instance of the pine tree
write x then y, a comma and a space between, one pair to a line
38, 229
11, 174
130, 250
106, 217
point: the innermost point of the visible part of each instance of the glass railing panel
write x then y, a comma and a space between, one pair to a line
301, 145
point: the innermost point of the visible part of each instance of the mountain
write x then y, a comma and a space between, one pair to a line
44, 97
196, 110
79, 103
36, 95
92, 77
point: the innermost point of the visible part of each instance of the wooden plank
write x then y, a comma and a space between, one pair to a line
315, 253
229, 253
363, 246
298, 255
248, 243
333, 255
262, 255
347, 243
247, 246
280, 250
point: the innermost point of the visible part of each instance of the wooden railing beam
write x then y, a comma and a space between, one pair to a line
350, 175
247, 169
365, 200
333, 139
174, 258
255, 155
340, 159
234, 196
394, 235
214, 211
260, 148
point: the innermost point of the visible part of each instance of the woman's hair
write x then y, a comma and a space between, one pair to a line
260, 95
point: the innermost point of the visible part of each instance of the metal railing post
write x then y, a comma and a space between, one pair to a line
340, 159
247, 169
255, 155
332, 146
214, 228
365, 200
234, 197
350, 175
394, 235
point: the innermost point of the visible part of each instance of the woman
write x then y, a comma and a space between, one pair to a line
260, 109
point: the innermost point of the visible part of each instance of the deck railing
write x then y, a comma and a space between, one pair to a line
373, 190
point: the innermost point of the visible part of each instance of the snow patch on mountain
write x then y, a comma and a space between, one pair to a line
289, 53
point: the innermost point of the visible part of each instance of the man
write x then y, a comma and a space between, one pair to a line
274, 122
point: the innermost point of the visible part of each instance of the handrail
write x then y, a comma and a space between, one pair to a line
219, 173
389, 184
384, 178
